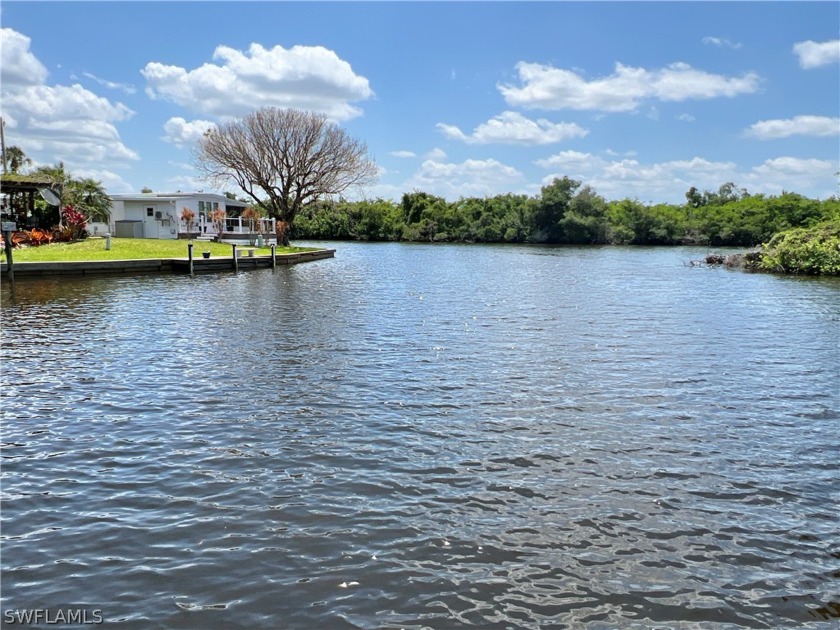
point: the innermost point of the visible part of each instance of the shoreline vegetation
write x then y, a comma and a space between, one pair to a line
788, 233
801, 251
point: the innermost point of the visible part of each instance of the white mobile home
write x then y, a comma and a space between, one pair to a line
158, 215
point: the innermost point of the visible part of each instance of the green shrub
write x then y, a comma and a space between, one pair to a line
813, 251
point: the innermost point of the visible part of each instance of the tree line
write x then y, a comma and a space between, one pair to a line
567, 212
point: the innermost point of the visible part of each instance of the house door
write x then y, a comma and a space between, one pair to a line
150, 225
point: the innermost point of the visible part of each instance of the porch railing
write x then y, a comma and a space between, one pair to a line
233, 225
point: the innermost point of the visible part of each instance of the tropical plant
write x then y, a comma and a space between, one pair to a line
15, 158
218, 219
252, 215
73, 224
188, 217
88, 196
32, 238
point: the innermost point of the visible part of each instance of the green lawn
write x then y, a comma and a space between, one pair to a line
131, 249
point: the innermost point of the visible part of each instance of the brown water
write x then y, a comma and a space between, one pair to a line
426, 437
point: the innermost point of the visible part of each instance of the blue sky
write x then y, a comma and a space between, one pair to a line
638, 100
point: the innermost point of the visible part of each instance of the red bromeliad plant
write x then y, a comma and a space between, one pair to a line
73, 224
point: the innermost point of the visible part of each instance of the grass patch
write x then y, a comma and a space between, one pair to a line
133, 249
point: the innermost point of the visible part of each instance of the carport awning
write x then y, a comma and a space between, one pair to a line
12, 183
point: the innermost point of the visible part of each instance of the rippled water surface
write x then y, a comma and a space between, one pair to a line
413, 436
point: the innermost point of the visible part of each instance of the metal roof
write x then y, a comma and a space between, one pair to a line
174, 197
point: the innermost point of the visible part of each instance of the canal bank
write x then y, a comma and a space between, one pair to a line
160, 265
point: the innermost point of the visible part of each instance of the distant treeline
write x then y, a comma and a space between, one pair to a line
565, 212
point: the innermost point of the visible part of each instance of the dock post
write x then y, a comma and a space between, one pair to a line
235, 259
274, 256
190, 256
8, 228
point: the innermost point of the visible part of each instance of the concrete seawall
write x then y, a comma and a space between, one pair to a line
159, 265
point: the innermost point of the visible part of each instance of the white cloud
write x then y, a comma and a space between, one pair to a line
570, 159
546, 87
182, 133
721, 42
793, 174
189, 182
112, 182
127, 88
20, 68
794, 166
471, 178
686, 118
53, 123
798, 126
667, 182
69, 124
304, 77
403, 154
815, 54
628, 177
514, 128
436, 154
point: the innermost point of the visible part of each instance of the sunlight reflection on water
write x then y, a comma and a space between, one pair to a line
426, 436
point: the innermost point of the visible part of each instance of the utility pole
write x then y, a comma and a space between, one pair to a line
3, 143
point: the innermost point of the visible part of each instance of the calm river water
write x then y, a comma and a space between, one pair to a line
423, 436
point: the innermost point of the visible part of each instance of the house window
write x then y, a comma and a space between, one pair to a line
201, 206
150, 212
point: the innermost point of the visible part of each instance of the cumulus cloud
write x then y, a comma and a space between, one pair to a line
792, 173
403, 154
667, 182
111, 181
793, 166
304, 77
436, 154
514, 128
629, 177
471, 178
815, 54
546, 87
181, 133
818, 126
20, 68
54, 123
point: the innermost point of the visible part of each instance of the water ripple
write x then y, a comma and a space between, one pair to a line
426, 437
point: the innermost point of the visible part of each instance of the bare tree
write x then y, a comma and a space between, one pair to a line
292, 157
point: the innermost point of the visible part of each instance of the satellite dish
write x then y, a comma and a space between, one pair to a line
49, 196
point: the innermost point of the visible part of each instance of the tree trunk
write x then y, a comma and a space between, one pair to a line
282, 229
